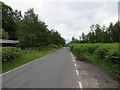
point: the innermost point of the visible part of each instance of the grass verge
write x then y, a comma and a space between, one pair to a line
102, 63
109, 67
105, 55
27, 56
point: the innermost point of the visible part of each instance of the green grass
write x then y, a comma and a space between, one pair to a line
102, 63
104, 55
27, 56
108, 66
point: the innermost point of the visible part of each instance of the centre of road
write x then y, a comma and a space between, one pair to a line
79, 82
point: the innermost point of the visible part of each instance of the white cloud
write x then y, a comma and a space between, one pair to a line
72, 17
112, 20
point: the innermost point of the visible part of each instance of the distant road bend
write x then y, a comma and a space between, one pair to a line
58, 70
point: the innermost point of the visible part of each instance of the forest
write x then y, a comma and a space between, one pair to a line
27, 28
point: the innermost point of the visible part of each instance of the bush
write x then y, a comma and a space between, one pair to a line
104, 52
108, 52
53, 46
3, 34
113, 54
10, 53
105, 55
84, 48
47, 47
92, 47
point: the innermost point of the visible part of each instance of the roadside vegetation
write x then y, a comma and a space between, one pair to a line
13, 57
29, 29
35, 39
101, 46
105, 55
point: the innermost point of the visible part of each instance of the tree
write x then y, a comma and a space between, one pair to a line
74, 40
33, 32
84, 38
8, 23
102, 34
17, 16
91, 37
3, 34
108, 34
56, 38
80, 39
28, 27
116, 32
98, 34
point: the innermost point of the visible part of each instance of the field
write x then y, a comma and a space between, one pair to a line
106, 55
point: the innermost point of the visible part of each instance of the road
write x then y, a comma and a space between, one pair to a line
58, 70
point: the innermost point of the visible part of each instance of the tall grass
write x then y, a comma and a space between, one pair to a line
105, 55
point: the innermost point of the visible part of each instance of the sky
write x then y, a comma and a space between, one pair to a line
70, 17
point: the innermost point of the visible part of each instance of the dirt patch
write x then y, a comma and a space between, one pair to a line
114, 75
78, 58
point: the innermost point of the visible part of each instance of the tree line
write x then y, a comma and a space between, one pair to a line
100, 34
27, 28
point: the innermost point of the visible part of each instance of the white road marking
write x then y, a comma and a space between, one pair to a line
75, 64
73, 57
77, 72
73, 60
71, 54
80, 84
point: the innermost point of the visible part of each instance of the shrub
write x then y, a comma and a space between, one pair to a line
108, 52
105, 55
10, 53
47, 47
53, 46
113, 54
84, 48
102, 51
3, 34
92, 47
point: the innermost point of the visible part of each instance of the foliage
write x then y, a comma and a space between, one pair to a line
10, 53
8, 23
3, 34
108, 52
83, 48
53, 46
28, 29
100, 34
34, 33
99, 53
28, 56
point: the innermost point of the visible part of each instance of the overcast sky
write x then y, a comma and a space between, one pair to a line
70, 17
